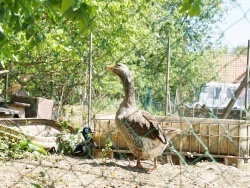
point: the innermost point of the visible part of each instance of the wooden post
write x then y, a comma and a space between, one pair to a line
182, 63
247, 79
233, 100
90, 81
167, 79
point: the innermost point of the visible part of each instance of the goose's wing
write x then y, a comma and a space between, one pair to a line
142, 123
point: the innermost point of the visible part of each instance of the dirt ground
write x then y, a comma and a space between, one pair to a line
60, 171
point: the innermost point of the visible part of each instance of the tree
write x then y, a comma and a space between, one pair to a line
37, 38
50, 40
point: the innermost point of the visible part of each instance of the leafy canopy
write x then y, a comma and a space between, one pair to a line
48, 41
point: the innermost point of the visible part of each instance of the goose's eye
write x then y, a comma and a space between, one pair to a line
118, 65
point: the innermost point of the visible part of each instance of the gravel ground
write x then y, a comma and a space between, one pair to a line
61, 171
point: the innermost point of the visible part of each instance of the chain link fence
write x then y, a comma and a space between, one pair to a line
187, 73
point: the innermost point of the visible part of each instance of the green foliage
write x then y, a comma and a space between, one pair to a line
106, 149
50, 40
191, 6
66, 142
9, 148
15, 149
31, 146
64, 125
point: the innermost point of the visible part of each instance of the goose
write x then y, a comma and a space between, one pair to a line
140, 130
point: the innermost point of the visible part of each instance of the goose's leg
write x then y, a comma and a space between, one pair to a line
138, 155
155, 164
138, 163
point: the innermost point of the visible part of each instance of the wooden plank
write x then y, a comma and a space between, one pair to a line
177, 119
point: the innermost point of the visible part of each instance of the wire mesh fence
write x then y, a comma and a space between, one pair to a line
188, 73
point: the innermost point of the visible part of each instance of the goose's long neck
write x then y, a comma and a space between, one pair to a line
129, 90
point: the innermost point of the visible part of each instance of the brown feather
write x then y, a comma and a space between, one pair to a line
144, 124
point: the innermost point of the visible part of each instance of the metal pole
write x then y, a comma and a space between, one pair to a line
247, 75
167, 78
90, 80
182, 69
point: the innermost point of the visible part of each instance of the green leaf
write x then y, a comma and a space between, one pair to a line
29, 145
36, 185
197, 9
72, 15
23, 144
15, 7
192, 6
184, 7
55, 4
31, 43
76, 5
83, 25
16, 20
30, 20
91, 10
42, 174
39, 37
34, 147
29, 32
192, 11
66, 4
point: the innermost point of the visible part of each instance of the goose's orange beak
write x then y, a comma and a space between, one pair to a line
110, 67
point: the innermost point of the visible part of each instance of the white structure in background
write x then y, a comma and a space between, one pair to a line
218, 95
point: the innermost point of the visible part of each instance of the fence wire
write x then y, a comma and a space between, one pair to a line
46, 101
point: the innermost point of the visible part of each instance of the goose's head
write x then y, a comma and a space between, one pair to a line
118, 68
121, 70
